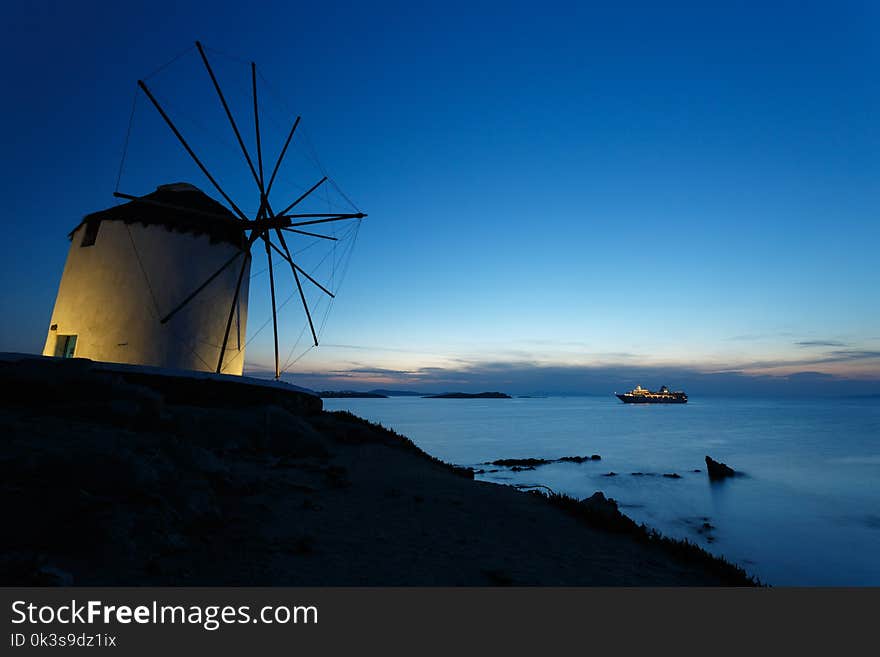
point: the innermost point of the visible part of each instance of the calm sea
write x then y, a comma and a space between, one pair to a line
805, 512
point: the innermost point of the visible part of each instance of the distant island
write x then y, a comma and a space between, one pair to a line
398, 393
384, 394
350, 394
467, 395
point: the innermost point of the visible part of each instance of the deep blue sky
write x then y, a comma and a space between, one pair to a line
679, 186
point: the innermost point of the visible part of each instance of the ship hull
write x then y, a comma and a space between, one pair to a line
633, 399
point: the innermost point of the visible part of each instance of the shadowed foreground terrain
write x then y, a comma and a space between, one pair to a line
111, 476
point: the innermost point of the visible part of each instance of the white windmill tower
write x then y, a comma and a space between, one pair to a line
163, 280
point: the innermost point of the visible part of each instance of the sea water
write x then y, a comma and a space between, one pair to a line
805, 509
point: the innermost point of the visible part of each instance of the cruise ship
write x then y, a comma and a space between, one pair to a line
642, 396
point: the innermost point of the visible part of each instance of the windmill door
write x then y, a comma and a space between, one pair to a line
66, 346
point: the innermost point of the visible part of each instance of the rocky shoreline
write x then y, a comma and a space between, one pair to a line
114, 476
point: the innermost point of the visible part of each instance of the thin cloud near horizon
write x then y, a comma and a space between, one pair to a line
528, 377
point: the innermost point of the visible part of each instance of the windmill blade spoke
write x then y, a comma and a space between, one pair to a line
189, 150
304, 195
314, 282
274, 309
281, 156
284, 244
296, 267
201, 287
336, 215
302, 297
232, 312
228, 111
305, 232
252, 238
281, 253
264, 201
257, 126
324, 221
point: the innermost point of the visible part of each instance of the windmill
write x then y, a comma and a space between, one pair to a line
82, 314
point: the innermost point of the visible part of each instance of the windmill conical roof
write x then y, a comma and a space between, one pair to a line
179, 207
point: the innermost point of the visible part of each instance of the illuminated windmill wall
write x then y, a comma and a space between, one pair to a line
164, 278
127, 269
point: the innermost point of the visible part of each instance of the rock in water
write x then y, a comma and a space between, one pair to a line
718, 470
603, 505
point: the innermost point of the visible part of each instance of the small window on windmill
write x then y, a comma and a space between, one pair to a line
65, 346
91, 233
